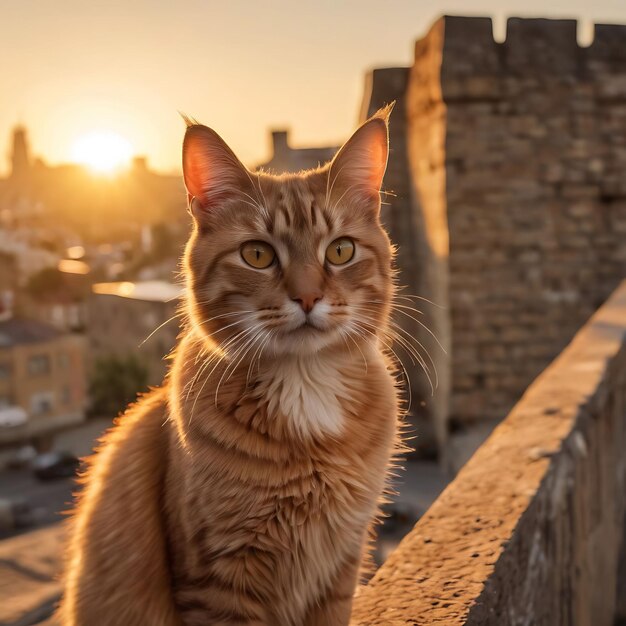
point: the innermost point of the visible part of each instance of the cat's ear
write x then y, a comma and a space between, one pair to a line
356, 173
211, 171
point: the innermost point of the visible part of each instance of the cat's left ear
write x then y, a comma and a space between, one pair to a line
212, 172
356, 173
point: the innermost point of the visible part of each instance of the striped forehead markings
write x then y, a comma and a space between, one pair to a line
294, 206
313, 213
296, 199
285, 213
327, 220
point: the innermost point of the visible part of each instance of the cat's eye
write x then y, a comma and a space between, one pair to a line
258, 254
340, 251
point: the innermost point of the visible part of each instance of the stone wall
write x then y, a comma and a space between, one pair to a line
536, 198
29, 576
530, 530
383, 86
426, 130
516, 156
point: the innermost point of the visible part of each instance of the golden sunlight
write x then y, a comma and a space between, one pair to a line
102, 151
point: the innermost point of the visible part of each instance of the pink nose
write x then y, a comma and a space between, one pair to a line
308, 300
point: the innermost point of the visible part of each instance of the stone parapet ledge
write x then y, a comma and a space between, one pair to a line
29, 576
531, 529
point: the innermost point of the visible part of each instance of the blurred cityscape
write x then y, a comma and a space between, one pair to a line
89, 292
84, 257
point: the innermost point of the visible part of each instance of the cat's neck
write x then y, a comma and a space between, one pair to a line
308, 393
308, 390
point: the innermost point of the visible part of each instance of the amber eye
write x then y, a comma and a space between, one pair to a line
258, 254
340, 251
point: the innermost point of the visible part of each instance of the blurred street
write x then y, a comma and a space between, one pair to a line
26, 502
37, 503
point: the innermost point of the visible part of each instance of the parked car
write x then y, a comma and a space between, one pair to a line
52, 465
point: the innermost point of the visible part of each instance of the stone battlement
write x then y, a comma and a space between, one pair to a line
531, 46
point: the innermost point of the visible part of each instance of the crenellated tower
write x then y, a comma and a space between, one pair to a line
515, 154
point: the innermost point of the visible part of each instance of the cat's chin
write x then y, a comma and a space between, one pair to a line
306, 340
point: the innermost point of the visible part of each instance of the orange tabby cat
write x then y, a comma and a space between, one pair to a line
241, 492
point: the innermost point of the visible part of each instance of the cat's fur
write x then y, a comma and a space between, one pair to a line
242, 491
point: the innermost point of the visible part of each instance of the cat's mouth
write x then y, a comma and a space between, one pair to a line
307, 337
309, 325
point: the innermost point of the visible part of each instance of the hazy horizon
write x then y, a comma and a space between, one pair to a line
71, 68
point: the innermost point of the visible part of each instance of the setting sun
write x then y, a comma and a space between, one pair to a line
102, 151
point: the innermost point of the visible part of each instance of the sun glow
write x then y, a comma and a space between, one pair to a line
102, 151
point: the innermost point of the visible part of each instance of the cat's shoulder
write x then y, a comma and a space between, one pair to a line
148, 413
140, 432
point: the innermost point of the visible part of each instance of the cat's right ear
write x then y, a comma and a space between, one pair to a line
212, 172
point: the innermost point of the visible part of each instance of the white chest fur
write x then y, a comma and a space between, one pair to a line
308, 392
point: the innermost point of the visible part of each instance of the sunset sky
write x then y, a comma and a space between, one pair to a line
74, 67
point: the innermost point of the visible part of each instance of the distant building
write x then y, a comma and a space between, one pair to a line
122, 316
39, 195
57, 296
20, 155
28, 257
288, 159
8, 281
62, 312
42, 381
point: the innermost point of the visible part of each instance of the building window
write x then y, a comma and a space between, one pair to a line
64, 360
5, 371
39, 364
150, 319
42, 402
66, 395
57, 315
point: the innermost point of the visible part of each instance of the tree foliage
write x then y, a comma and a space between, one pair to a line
115, 383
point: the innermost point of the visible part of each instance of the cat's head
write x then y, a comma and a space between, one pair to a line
293, 263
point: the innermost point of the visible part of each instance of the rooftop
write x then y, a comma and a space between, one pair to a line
148, 291
288, 159
16, 331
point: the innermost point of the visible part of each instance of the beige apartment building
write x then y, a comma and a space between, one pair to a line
42, 380
130, 319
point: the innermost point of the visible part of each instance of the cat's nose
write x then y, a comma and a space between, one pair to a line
308, 300
304, 285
